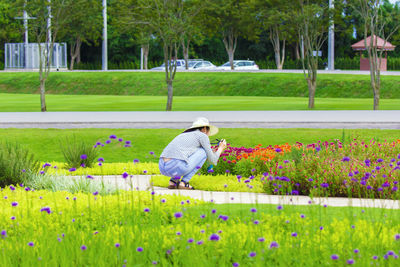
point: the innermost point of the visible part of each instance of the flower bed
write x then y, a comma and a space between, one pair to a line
368, 169
41, 228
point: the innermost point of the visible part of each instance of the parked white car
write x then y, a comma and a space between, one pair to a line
180, 64
240, 65
201, 65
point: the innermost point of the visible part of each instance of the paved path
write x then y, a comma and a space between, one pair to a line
225, 119
142, 183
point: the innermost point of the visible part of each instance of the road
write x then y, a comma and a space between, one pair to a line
224, 119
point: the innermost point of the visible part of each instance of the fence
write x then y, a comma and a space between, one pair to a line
22, 56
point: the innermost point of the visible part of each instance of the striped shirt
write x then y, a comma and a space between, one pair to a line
185, 144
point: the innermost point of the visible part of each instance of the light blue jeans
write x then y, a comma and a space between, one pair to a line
176, 168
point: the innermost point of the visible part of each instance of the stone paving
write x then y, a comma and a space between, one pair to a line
142, 183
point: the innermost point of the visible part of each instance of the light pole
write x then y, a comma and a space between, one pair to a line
25, 17
331, 40
104, 46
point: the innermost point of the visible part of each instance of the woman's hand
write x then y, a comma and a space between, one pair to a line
222, 146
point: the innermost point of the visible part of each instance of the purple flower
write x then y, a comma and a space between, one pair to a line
144, 171
397, 237
190, 240
113, 136
324, 185
294, 234
117, 245
214, 237
72, 170
227, 171
302, 216
41, 172
31, 244
379, 160
252, 254
317, 148
89, 177
151, 153
127, 142
120, 139
274, 244
108, 142
135, 161
356, 251
253, 210
100, 164
125, 175
100, 159
23, 170
178, 214
146, 210
334, 257
223, 217
277, 150
235, 264
279, 207
345, 159
350, 261
12, 218
213, 211
95, 193
200, 242
163, 200
46, 209
14, 204
83, 156
139, 249
83, 247
3, 233
374, 257
202, 216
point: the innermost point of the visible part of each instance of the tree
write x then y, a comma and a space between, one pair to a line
313, 21
231, 19
193, 26
373, 15
126, 20
276, 17
83, 27
45, 32
10, 29
165, 19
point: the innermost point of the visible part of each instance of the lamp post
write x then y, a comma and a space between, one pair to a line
25, 17
104, 46
331, 41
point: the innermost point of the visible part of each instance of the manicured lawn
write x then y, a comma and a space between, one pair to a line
31, 102
198, 84
45, 143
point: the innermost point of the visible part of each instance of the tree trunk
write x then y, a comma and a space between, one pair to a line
230, 42
146, 48
297, 52
75, 51
376, 99
312, 86
170, 95
185, 50
42, 95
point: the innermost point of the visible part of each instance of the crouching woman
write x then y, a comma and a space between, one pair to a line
187, 152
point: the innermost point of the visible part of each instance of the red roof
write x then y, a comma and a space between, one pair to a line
379, 42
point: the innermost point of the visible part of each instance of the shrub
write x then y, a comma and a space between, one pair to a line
16, 164
77, 153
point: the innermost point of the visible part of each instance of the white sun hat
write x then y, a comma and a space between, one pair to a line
201, 122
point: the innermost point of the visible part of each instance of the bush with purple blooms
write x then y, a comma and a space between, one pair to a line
77, 153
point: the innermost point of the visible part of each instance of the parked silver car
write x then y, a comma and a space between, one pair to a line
240, 65
200, 65
180, 64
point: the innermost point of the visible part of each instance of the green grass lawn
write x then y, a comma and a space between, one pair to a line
45, 143
198, 84
31, 102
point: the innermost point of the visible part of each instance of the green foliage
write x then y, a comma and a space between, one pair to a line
16, 164
78, 153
